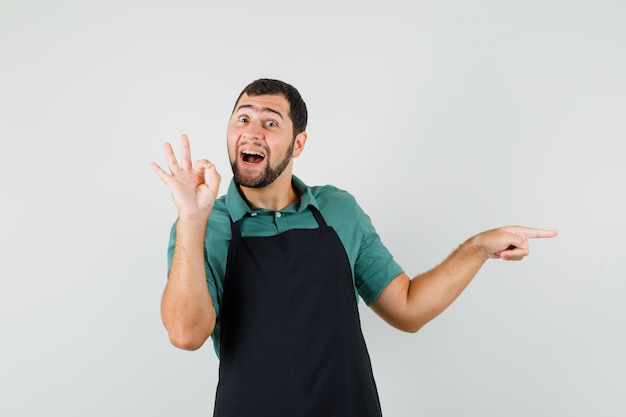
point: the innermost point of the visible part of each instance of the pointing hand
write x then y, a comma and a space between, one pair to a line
509, 243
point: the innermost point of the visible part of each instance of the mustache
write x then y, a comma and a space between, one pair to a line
255, 144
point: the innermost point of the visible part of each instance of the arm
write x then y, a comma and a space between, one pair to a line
408, 304
186, 307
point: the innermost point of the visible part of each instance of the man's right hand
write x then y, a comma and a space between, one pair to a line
194, 195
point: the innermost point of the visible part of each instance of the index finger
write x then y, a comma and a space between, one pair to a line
533, 233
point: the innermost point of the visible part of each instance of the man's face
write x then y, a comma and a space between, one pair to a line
260, 140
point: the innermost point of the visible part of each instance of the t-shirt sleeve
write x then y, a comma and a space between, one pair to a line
374, 267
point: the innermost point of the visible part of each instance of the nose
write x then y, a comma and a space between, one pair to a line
253, 132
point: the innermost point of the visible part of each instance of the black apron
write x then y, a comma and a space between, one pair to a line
291, 341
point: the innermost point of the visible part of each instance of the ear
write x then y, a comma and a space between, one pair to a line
298, 144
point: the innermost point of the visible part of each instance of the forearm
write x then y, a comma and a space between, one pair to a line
186, 307
408, 304
432, 292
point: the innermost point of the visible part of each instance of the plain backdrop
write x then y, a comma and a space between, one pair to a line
444, 118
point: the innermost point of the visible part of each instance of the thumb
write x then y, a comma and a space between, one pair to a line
513, 241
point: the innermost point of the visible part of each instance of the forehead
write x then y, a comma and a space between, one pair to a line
273, 102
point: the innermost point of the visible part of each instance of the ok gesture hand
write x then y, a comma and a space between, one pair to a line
193, 193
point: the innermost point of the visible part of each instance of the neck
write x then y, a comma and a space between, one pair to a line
275, 196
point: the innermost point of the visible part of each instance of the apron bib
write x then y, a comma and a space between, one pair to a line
291, 342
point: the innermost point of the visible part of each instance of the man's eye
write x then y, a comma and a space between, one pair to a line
243, 119
271, 123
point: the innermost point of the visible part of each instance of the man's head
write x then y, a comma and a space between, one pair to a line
265, 133
297, 108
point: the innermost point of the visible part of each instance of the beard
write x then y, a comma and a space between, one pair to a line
266, 177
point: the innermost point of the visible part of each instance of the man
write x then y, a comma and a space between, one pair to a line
272, 270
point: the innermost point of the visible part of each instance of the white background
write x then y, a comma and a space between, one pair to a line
444, 118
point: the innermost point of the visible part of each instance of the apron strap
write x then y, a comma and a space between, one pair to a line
318, 217
235, 230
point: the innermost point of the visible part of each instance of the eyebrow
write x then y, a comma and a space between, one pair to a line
259, 109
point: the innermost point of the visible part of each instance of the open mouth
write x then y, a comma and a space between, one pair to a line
252, 157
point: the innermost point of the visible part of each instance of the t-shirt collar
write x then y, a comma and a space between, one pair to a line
238, 208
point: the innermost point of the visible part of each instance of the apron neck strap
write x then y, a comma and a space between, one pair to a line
318, 217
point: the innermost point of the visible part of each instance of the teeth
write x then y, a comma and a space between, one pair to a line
248, 152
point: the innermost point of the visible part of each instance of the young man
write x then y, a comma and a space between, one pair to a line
272, 270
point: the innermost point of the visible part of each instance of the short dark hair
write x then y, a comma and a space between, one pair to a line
297, 107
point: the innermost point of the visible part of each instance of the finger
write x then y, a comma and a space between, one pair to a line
201, 165
160, 172
214, 179
172, 163
516, 254
185, 155
211, 176
532, 233
513, 239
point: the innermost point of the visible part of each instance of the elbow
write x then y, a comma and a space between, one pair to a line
410, 327
186, 340
189, 337
413, 330
188, 333
407, 326
186, 345
411, 324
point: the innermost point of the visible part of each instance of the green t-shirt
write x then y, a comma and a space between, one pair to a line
373, 267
